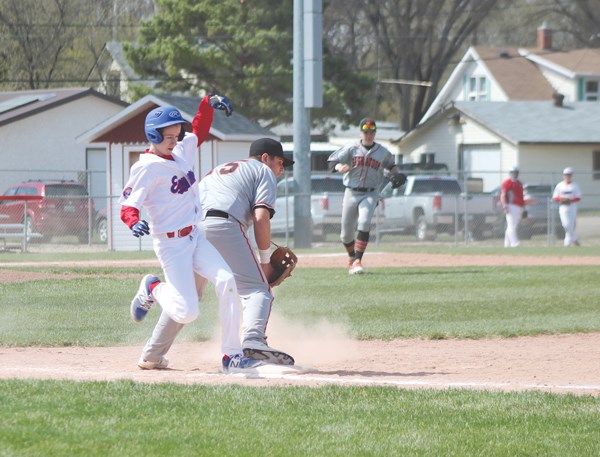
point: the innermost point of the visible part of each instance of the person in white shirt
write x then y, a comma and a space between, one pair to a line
567, 194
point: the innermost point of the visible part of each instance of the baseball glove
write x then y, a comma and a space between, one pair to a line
283, 261
565, 201
397, 180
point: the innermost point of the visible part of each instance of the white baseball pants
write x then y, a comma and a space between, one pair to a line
513, 217
181, 259
568, 215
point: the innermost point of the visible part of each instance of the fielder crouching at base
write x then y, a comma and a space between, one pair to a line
236, 196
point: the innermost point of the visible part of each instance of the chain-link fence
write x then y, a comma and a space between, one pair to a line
472, 216
57, 210
66, 207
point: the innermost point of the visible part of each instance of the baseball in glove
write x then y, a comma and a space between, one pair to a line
283, 261
397, 179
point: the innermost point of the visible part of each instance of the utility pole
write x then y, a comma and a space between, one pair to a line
308, 93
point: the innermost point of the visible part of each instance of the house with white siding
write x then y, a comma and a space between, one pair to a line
536, 108
484, 140
38, 129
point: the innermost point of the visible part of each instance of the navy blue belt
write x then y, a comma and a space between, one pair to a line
217, 213
362, 189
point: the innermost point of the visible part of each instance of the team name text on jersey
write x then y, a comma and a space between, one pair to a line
182, 185
366, 162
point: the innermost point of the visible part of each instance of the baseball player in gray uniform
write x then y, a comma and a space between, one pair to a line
234, 196
363, 164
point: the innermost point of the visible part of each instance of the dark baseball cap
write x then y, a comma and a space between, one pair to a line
271, 147
367, 124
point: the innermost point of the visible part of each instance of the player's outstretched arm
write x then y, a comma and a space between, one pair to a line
203, 120
204, 117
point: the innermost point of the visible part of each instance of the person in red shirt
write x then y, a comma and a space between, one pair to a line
513, 203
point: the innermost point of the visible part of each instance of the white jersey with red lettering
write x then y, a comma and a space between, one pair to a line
568, 190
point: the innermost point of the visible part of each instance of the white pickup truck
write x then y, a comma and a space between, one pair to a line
430, 205
327, 194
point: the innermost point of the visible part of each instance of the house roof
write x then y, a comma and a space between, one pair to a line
518, 77
20, 104
128, 125
518, 71
535, 121
575, 62
224, 127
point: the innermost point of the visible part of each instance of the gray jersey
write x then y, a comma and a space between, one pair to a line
238, 188
366, 166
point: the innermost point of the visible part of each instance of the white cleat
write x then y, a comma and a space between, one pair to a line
356, 268
148, 365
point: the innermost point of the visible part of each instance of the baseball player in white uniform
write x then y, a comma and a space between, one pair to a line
235, 196
363, 164
164, 183
567, 194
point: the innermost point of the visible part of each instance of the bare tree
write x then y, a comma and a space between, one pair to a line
408, 40
580, 19
37, 35
52, 42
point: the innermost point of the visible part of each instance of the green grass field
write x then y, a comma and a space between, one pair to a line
53, 418
129, 419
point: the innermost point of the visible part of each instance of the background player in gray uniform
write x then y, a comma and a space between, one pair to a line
363, 164
234, 196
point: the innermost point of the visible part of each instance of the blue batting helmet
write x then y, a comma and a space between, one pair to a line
159, 118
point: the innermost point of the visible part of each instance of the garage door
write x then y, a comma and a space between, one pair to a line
484, 162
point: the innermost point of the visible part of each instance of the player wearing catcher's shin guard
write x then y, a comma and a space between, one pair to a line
363, 164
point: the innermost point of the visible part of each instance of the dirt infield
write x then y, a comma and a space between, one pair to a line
326, 355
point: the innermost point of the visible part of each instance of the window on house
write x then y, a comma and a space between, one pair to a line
477, 88
134, 156
592, 91
596, 165
482, 89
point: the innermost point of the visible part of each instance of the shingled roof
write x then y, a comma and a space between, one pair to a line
235, 124
537, 121
128, 125
518, 77
17, 105
578, 61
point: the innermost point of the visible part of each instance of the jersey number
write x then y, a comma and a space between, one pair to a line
228, 168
